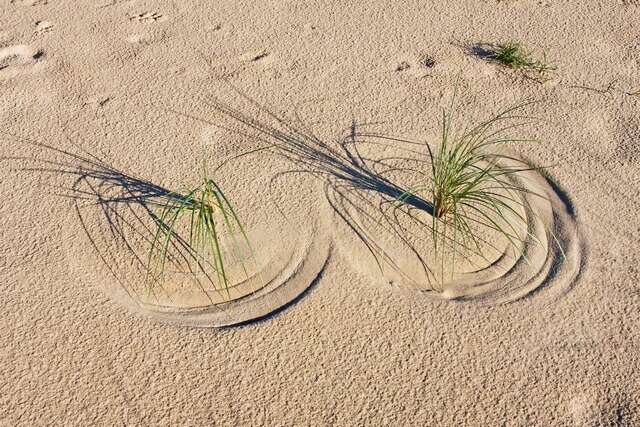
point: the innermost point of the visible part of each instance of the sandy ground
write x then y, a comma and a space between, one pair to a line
103, 76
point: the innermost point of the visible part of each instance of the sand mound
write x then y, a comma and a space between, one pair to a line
282, 270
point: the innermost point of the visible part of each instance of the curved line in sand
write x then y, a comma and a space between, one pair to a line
117, 235
287, 282
551, 257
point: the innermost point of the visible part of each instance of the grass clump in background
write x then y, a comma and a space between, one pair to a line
514, 56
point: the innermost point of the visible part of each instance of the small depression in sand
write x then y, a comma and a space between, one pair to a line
384, 239
16, 59
115, 226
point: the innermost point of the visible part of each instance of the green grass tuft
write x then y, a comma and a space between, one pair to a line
513, 55
208, 216
471, 188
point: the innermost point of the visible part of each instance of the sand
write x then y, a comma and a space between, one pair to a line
135, 83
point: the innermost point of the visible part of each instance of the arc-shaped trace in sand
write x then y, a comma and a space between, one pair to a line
113, 228
396, 243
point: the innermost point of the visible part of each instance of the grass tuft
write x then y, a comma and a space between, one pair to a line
472, 188
513, 55
208, 216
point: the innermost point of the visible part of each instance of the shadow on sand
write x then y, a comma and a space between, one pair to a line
356, 183
359, 183
128, 207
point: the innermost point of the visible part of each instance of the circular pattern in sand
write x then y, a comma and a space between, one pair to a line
384, 239
114, 219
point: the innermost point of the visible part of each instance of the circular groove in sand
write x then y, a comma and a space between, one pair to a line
551, 258
115, 227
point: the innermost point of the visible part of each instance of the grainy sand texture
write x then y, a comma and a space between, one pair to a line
108, 105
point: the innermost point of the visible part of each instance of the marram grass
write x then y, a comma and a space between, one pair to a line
209, 217
511, 54
472, 188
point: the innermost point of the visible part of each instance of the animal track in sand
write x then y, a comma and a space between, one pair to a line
43, 27
418, 66
428, 61
148, 17
15, 59
214, 27
250, 60
256, 56
404, 65
145, 39
115, 2
97, 101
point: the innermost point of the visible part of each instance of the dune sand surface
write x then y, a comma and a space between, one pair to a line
109, 99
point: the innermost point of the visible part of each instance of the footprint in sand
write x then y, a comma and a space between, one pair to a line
17, 59
43, 27
261, 56
418, 66
148, 17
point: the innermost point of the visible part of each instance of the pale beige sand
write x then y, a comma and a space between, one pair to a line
101, 75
